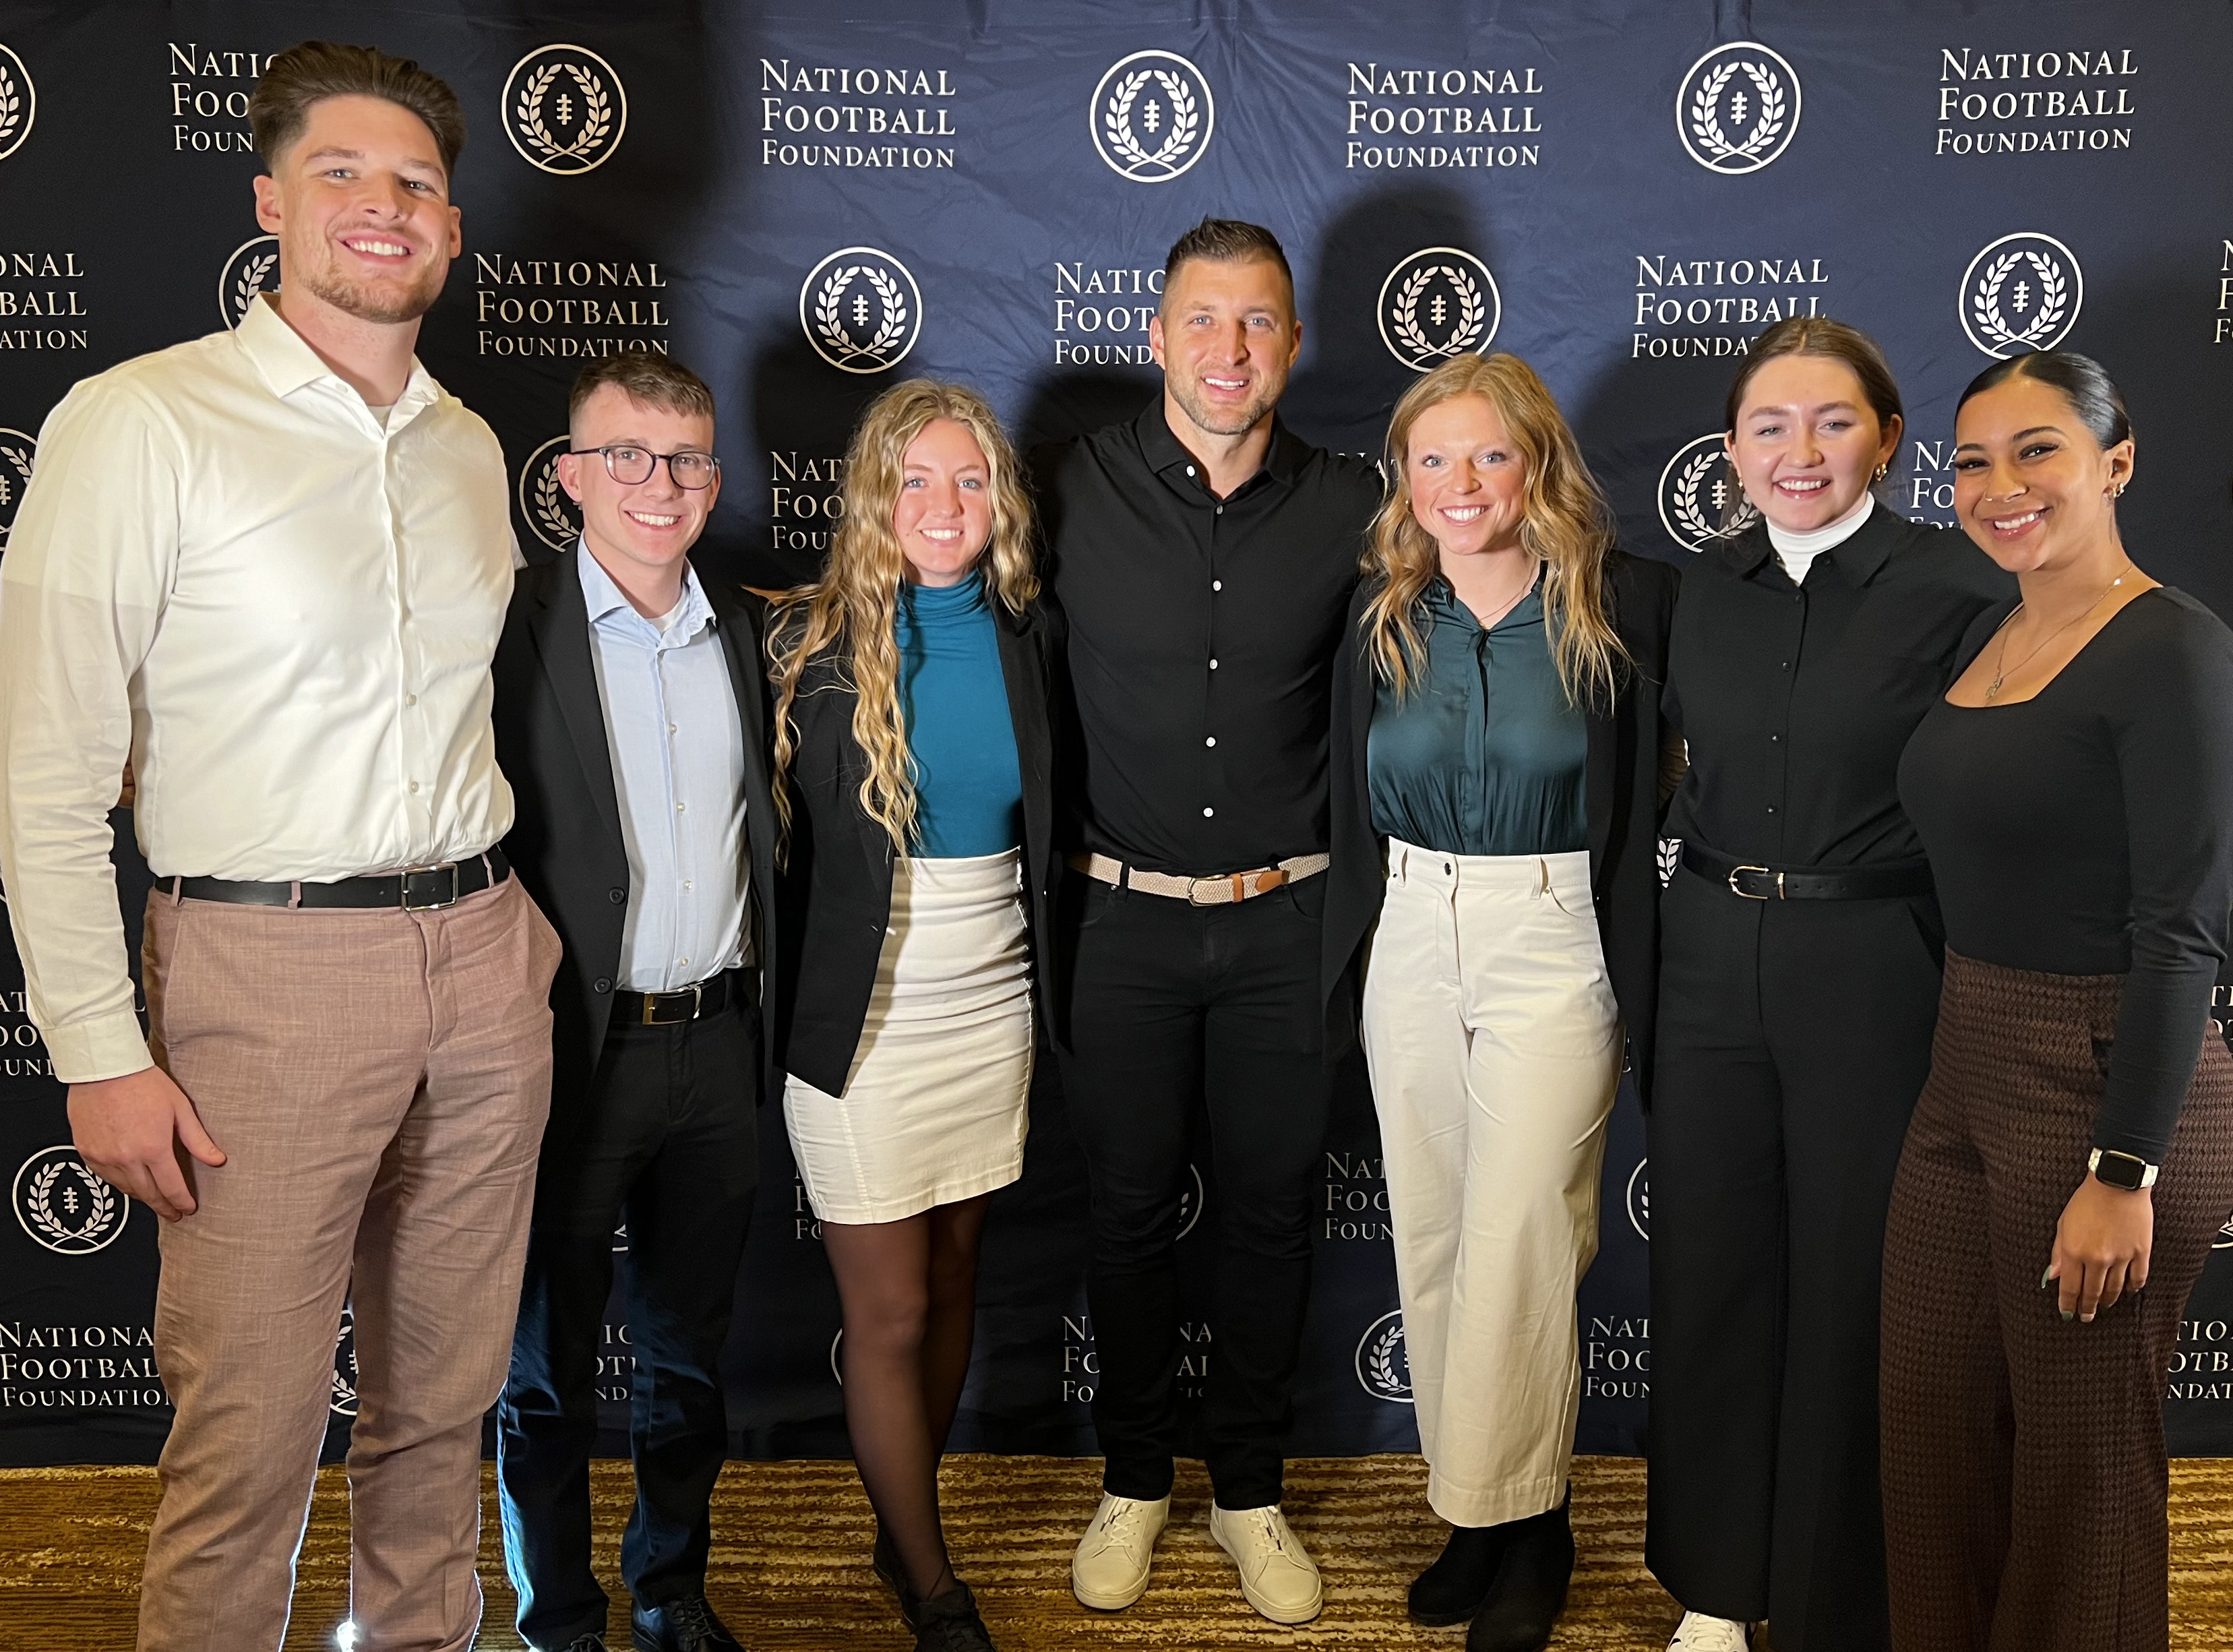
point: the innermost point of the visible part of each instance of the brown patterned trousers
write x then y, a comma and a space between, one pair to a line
2024, 1475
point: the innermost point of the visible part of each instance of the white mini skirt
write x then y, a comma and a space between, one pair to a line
934, 1108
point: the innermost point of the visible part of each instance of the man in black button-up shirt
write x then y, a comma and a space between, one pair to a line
1204, 556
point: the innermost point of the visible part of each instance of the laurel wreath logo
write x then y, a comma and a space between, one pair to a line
1692, 515
1186, 118
100, 1205
1670, 857
551, 513
344, 1391
2224, 1239
1380, 1363
832, 327
19, 460
249, 282
1472, 311
1768, 121
2053, 298
11, 106
596, 112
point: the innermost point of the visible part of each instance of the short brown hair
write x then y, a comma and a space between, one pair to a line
1227, 240
652, 381
317, 69
1820, 336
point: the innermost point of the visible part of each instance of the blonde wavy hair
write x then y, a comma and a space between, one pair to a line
852, 610
1567, 526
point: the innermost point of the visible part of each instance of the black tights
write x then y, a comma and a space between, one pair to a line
909, 1291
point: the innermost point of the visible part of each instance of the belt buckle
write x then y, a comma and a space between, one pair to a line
1195, 887
411, 872
697, 990
1745, 894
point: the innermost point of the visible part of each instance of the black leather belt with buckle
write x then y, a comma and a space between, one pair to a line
670, 1009
1756, 882
418, 889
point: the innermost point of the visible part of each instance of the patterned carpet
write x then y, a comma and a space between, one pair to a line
791, 1559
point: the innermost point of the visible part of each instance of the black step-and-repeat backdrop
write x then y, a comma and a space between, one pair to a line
807, 201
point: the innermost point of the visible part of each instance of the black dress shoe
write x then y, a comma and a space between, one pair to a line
1530, 1591
1452, 1589
585, 1644
884, 1561
949, 1622
683, 1625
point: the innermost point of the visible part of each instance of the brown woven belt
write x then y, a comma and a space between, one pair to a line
1223, 890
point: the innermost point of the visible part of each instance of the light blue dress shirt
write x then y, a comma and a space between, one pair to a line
677, 745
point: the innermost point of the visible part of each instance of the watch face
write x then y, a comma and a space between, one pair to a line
2121, 1170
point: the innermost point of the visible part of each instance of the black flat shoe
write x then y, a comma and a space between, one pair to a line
1452, 1589
1530, 1591
684, 1625
949, 1622
884, 1561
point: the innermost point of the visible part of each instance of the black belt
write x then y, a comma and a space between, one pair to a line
1757, 882
684, 1004
422, 888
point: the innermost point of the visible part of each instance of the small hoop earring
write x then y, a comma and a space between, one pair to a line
1883, 470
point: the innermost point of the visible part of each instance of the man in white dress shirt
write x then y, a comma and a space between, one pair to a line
270, 567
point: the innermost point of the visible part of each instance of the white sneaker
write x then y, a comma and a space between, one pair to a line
1699, 1633
1110, 1571
1280, 1580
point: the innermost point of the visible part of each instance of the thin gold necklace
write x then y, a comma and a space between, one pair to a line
2001, 667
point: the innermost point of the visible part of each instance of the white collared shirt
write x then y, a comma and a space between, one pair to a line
678, 751
280, 608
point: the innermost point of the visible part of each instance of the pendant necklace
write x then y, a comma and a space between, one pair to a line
2000, 667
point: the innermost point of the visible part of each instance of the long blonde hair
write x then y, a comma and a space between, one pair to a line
1566, 525
852, 610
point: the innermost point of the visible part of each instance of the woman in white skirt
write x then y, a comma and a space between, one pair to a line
1496, 757
913, 757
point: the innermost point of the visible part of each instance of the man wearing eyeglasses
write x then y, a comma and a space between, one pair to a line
632, 721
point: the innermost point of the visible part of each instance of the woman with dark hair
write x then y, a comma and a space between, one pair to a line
913, 759
2074, 1143
1799, 983
1495, 760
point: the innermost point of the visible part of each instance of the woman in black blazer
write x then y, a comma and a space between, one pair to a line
1496, 747
913, 762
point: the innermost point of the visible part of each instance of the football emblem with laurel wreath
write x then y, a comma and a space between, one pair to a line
1384, 1360
861, 310
1700, 501
550, 512
1151, 116
1737, 108
564, 110
1438, 304
251, 272
18, 453
343, 1401
63, 1206
19, 102
2020, 293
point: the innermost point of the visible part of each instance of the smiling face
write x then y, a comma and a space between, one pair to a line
1807, 443
648, 528
361, 207
1467, 479
1226, 339
944, 514
2032, 486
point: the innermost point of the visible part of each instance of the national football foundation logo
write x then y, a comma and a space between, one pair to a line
861, 310
66, 1207
1384, 1360
1438, 304
19, 102
2022, 294
549, 513
18, 453
564, 110
344, 1400
1700, 500
1151, 116
1738, 108
1639, 1200
251, 271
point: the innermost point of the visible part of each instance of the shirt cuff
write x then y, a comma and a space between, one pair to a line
108, 1046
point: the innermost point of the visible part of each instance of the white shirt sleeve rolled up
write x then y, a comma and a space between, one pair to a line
280, 608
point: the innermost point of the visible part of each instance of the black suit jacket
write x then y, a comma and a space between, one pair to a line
836, 888
1622, 787
565, 839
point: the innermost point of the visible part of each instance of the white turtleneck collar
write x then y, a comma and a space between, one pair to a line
1797, 551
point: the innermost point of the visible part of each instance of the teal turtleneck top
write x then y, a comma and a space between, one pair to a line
969, 787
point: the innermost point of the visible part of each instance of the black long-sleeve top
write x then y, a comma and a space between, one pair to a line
1201, 633
1795, 699
2088, 830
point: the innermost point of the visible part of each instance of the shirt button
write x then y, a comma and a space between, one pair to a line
1771, 808
1206, 813
687, 884
411, 699
414, 785
671, 729
678, 807
1189, 469
1786, 666
1212, 666
1220, 511
1773, 739
1212, 740
1217, 585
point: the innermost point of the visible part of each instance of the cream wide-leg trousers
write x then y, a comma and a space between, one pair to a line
1494, 1049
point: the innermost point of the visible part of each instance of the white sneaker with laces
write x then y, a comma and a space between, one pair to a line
1110, 1571
1699, 1633
1280, 1580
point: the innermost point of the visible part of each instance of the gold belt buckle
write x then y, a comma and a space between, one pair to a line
1737, 872
697, 990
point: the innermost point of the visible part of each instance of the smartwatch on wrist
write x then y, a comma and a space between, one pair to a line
2125, 1170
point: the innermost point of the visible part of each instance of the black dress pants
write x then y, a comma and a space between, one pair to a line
1794, 1039
1175, 1005
664, 1137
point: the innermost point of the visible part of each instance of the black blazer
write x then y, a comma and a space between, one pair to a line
565, 839
1622, 788
836, 890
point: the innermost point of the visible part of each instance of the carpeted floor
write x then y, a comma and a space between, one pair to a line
791, 1559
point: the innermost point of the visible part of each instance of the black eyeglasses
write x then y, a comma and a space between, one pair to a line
632, 466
